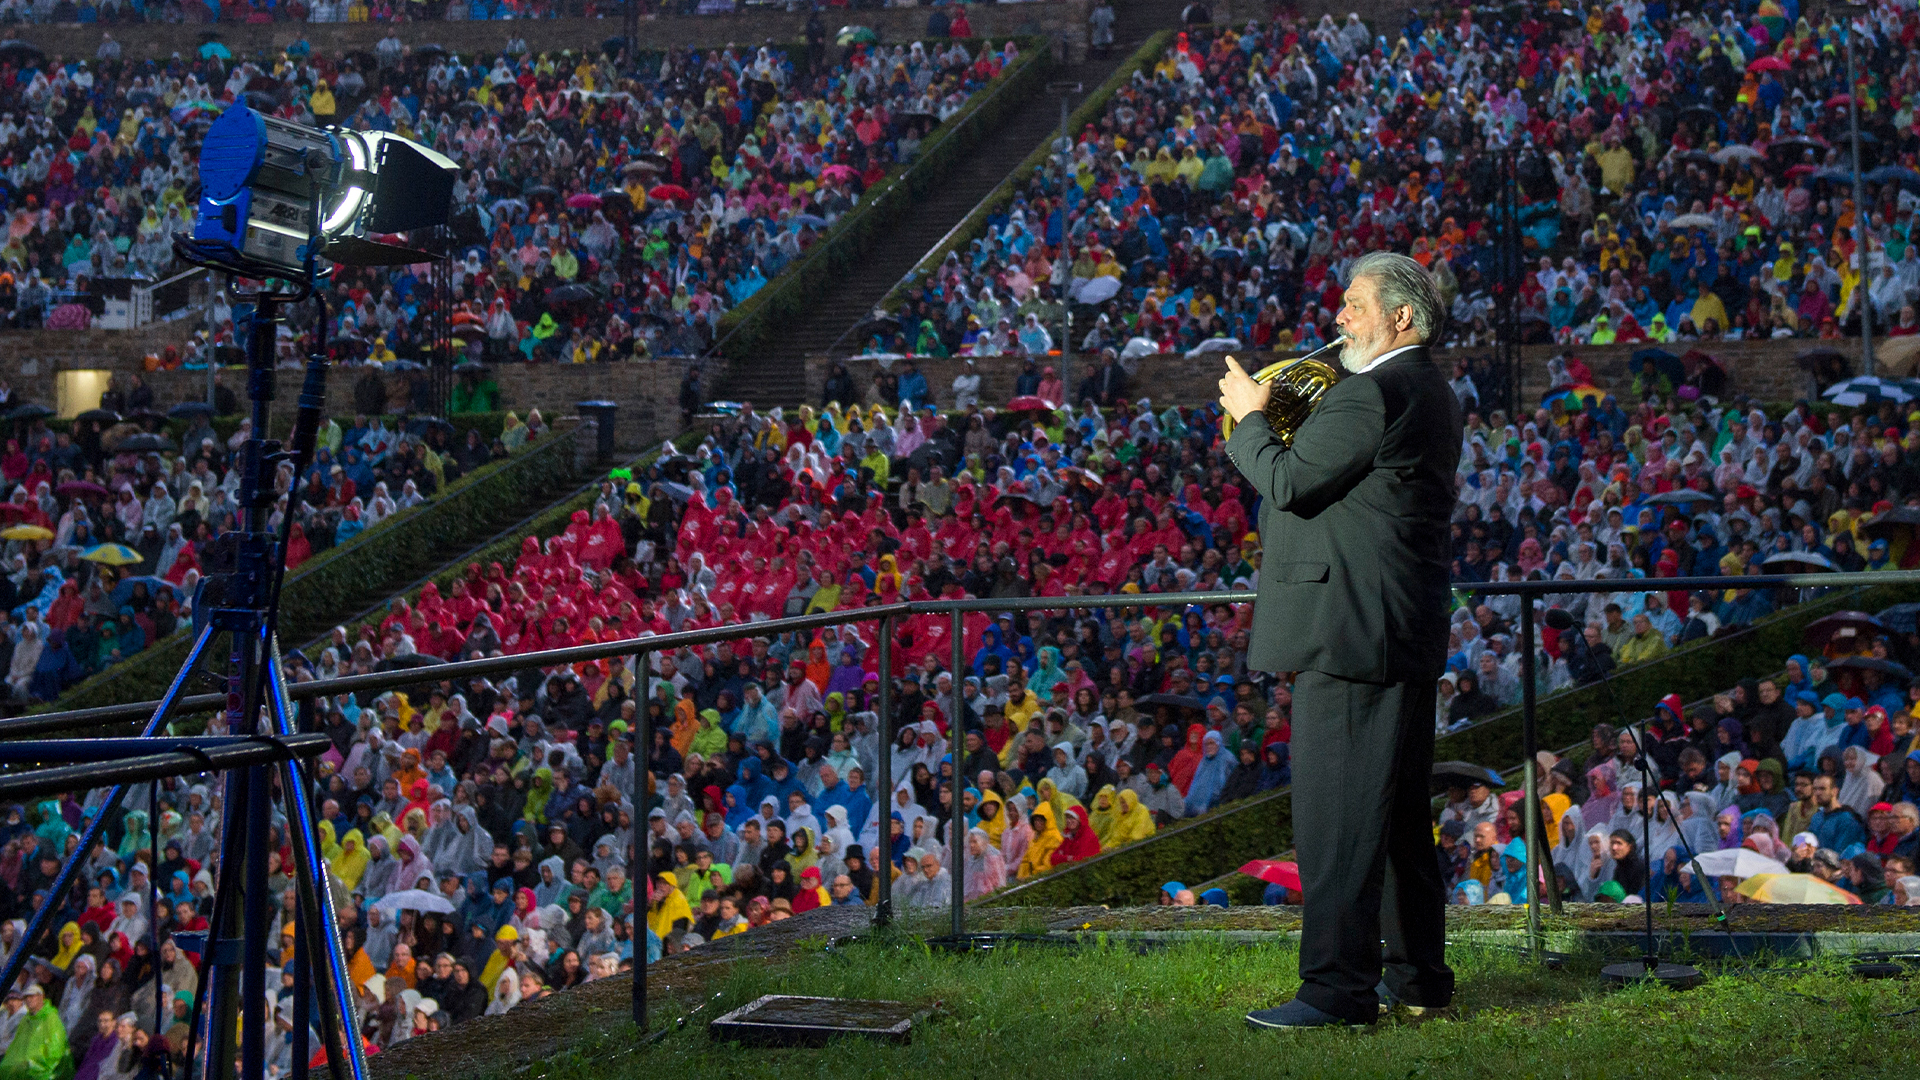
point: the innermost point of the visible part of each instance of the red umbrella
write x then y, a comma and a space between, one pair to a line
583, 201
839, 172
1770, 63
671, 191
1275, 872
1839, 101
1799, 171
80, 487
1026, 402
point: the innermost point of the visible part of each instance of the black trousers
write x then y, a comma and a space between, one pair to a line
1362, 762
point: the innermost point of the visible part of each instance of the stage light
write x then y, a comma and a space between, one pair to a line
259, 176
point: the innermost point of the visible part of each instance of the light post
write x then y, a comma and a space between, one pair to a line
1066, 90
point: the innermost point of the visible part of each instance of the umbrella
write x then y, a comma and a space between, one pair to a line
1448, 774
1690, 221
1839, 624
430, 49
186, 410
214, 48
850, 35
614, 196
29, 411
80, 487
112, 555
1727, 155
541, 191
670, 192
1792, 147
414, 660
1838, 101
123, 589
1095, 290
1178, 701
1770, 63
1575, 395
1865, 389
1681, 497
146, 441
1798, 562
414, 900
838, 172
100, 416
21, 52
1873, 663
583, 201
502, 186
1028, 402
1890, 526
641, 165
1085, 476
1738, 862
26, 532
1794, 889
574, 293
1894, 174
465, 366
1275, 872
1902, 617
1900, 354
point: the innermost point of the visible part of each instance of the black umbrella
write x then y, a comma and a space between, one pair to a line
471, 110
420, 425
503, 187
1902, 617
400, 663
100, 416
1178, 701
1872, 663
146, 441
429, 49
574, 293
21, 52
1820, 631
1897, 522
541, 191
187, 410
29, 411
1448, 774
469, 366
1792, 147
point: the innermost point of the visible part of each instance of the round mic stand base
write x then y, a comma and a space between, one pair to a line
1672, 976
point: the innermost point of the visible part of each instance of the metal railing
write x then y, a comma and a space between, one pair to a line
889, 617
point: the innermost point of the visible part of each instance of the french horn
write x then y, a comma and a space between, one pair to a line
1297, 385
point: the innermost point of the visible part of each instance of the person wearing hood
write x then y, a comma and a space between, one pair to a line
1067, 776
1209, 776
1077, 839
554, 886
1045, 841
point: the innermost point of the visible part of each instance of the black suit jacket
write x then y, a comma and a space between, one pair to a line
1354, 527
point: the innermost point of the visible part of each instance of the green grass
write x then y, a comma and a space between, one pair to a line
1040, 1011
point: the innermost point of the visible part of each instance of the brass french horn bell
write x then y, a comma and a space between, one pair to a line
1297, 385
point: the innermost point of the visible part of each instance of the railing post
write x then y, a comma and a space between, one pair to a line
1529, 741
642, 875
957, 749
881, 857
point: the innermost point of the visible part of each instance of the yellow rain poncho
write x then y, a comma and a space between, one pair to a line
1104, 816
1134, 822
351, 864
667, 907
1039, 856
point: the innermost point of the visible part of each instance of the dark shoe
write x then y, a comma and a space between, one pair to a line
1391, 1005
1295, 1015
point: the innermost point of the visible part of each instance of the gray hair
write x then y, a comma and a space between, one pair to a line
1403, 282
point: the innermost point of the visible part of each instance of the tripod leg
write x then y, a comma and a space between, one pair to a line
317, 923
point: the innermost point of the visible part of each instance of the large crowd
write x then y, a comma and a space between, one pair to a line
509, 802
596, 216
103, 541
1815, 772
1683, 175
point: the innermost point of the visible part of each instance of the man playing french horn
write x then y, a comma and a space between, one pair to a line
1353, 598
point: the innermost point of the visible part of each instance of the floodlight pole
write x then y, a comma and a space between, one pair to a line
1862, 289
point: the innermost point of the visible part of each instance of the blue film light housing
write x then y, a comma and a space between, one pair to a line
259, 176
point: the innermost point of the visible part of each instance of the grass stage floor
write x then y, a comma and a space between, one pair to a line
1148, 1000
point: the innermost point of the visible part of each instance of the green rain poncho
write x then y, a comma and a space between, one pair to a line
39, 1049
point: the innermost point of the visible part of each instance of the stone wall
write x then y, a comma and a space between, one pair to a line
1760, 369
1064, 19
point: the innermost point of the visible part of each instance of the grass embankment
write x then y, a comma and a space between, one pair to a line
1176, 1012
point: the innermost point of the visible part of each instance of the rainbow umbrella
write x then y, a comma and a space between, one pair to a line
1794, 889
1572, 395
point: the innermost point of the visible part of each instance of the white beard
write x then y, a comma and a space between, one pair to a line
1355, 354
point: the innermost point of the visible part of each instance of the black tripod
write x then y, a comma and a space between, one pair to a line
1649, 966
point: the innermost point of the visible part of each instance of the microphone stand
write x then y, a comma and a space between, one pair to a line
1649, 966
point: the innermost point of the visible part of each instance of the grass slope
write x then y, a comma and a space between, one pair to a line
1051, 1012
